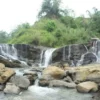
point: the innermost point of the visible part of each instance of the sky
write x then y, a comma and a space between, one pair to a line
15, 12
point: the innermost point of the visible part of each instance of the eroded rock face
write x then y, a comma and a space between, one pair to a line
11, 89
87, 87
20, 81
29, 52
69, 53
11, 64
5, 73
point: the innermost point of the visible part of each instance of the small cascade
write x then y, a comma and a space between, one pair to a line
37, 80
69, 54
97, 52
80, 62
46, 57
64, 54
41, 58
8, 51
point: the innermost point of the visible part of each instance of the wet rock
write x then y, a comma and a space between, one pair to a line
9, 63
2, 87
43, 82
60, 83
32, 76
53, 73
87, 87
11, 89
89, 58
20, 81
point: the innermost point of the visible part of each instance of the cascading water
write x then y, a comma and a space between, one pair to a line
46, 57
64, 57
8, 51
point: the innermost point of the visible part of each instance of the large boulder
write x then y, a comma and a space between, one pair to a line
5, 73
20, 81
11, 89
60, 83
85, 73
87, 87
31, 75
53, 72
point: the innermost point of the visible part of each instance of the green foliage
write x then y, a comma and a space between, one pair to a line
68, 21
50, 26
95, 21
53, 33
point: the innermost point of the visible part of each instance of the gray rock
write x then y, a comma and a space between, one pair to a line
68, 79
1, 87
60, 83
31, 75
11, 89
20, 81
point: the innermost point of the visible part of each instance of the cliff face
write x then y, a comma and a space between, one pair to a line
74, 55
78, 54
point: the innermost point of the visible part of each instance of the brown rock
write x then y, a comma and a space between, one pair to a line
53, 72
87, 87
85, 73
5, 74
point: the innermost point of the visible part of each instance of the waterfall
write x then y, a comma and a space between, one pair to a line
46, 57
8, 51
80, 62
41, 58
69, 54
64, 57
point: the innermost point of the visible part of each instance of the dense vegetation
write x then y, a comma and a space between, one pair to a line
55, 27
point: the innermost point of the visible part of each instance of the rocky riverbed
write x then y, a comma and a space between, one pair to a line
56, 83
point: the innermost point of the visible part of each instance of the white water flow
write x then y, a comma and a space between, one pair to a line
46, 57
80, 62
96, 52
37, 80
64, 50
41, 58
69, 54
8, 51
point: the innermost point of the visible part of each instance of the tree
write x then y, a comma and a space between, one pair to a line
50, 8
95, 20
19, 30
3, 37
